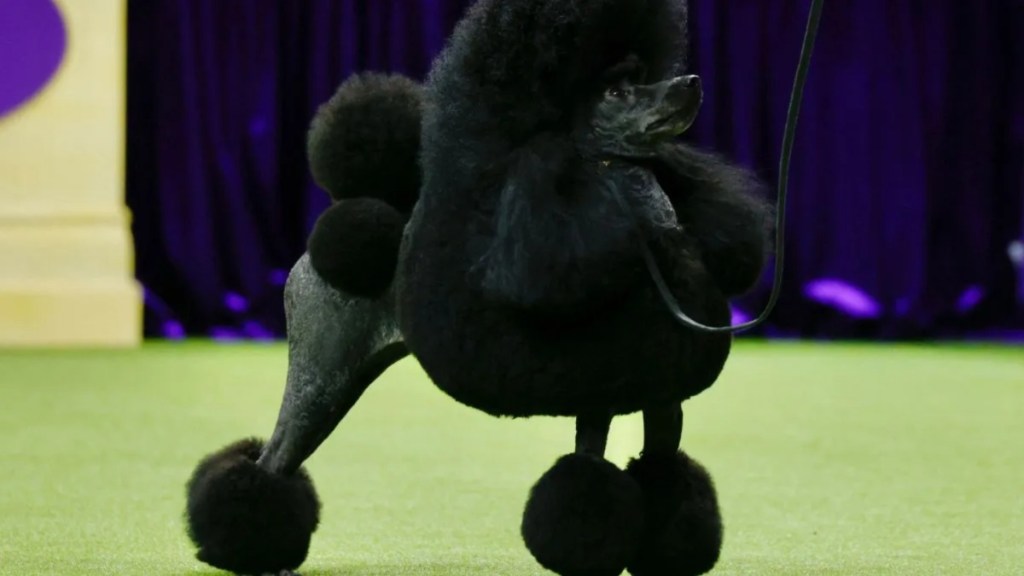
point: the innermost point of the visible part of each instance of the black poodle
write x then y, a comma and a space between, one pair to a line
505, 256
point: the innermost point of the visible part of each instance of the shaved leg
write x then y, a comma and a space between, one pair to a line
663, 429
592, 433
252, 507
337, 346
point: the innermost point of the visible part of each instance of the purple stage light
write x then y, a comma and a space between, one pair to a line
739, 316
969, 299
173, 330
236, 302
844, 297
278, 277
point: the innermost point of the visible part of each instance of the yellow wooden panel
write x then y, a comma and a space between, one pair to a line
68, 250
66, 253
43, 314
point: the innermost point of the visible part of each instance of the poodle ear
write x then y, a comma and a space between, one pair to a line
724, 208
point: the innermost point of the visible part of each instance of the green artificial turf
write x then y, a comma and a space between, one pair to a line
829, 459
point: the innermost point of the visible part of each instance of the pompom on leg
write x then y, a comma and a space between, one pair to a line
584, 517
683, 533
247, 520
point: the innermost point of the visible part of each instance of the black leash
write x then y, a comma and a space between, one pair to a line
795, 101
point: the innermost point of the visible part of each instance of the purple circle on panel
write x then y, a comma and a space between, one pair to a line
32, 44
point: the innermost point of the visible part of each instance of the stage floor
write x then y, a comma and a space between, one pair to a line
829, 459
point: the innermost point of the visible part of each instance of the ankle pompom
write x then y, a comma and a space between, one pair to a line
683, 533
246, 520
584, 517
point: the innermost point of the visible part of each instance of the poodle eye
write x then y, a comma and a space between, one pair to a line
617, 92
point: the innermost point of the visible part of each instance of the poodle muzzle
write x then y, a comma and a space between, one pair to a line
677, 102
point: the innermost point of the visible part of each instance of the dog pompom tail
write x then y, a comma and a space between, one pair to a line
365, 140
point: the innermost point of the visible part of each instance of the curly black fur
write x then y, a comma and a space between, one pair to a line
246, 520
521, 290
584, 517
683, 533
354, 246
365, 141
516, 68
724, 208
556, 249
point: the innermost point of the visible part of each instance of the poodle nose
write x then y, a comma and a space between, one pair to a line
682, 89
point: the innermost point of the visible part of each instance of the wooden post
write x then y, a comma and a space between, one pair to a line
66, 252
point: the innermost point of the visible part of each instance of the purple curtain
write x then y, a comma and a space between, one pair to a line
907, 187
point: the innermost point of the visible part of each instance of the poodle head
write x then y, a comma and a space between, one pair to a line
631, 117
517, 68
